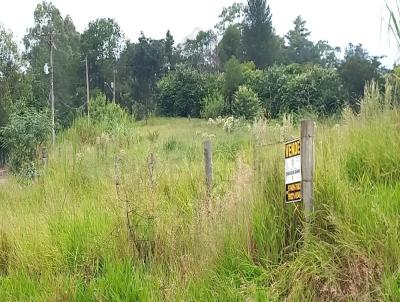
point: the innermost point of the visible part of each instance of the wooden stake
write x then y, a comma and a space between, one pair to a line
208, 167
150, 169
307, 166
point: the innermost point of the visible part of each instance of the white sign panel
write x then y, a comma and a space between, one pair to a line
293, 171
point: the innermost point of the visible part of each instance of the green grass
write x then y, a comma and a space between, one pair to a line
63, 237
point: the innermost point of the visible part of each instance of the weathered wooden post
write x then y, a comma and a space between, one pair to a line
44, 157
150, 169
307, 166
208, 167
117, 170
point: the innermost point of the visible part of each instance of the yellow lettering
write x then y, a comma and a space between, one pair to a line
292, 149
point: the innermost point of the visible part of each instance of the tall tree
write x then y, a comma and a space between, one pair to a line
258, 34
140, 66
66, 55
328, 55
357, 68
169, 50
231, 15
10, 74
300, 49
101, 43
230, 45
201, 52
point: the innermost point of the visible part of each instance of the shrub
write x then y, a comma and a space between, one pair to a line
246, 103
180, 92
106, 114
296, 88
213, 105
139, 111
21, 138
233, 77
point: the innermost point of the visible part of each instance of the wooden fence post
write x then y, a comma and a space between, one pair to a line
307, 166
208, 167
44, 157
150, 169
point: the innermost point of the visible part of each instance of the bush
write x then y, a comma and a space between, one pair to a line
246, 103
180, 92
139, 111
233, 78
26, 131
296, 88
105, 114
213, 105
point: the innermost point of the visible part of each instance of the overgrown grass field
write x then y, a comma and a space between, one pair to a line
105, 222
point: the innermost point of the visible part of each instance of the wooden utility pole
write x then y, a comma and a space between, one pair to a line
307, 166
87, 87
51, 45
208, 167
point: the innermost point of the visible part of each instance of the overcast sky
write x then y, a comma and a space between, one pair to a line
337, 21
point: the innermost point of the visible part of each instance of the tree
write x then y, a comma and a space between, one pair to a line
147, 67
327, 54
295, 88
233, 79
10, 75
101, 43
258, 34
201, 52
140, 65
230, 16
181, 92
300, 49
169, 50
357, 68
66, 58
230, 45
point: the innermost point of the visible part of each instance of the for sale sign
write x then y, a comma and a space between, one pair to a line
293, 171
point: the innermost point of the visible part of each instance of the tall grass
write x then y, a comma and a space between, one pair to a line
64, 237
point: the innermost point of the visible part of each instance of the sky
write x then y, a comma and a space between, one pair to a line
337, 21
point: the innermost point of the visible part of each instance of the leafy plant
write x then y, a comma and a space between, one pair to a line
295, 88
213, 105
27, 130
246, 103
181, 92
108, 115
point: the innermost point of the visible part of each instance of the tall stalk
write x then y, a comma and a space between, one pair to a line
394, 21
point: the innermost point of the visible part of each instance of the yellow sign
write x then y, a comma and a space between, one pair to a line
293, 177
292, 149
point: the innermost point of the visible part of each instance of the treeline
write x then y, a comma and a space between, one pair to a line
240, 67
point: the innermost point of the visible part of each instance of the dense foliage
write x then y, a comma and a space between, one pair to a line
199, 77
246, 103
106, 114
181, 92
293, 88
23, 136
213, 105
